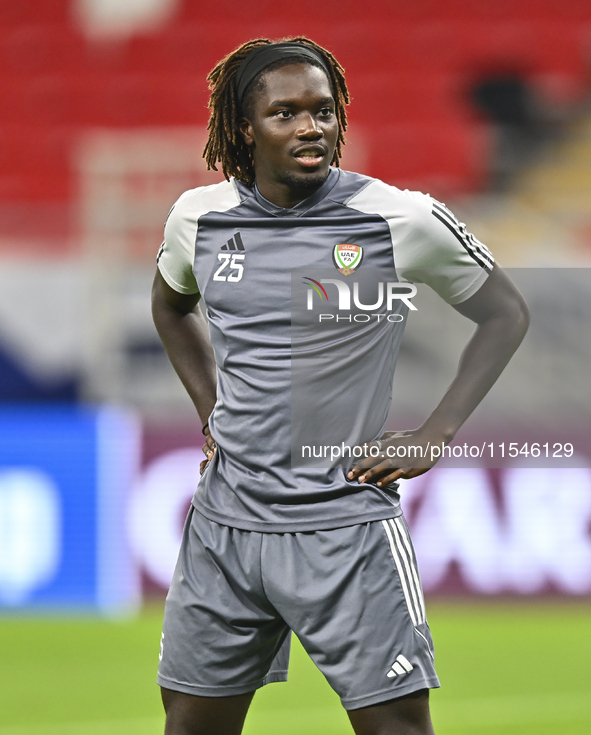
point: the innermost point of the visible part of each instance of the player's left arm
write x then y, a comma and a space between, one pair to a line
502, 319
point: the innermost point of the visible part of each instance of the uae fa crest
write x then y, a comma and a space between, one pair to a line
347, 257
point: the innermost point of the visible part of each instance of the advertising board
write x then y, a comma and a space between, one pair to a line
65, 475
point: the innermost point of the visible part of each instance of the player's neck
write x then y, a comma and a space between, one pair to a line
283, 194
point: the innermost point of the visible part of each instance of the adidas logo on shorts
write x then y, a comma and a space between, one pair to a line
401, 666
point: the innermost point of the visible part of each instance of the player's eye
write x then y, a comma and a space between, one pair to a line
326, 112
283, 114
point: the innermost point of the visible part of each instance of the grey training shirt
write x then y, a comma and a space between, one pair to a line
306, 310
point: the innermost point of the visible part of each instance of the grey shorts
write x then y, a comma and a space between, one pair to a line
352, 596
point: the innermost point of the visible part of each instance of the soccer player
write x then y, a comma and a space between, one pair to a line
270, 546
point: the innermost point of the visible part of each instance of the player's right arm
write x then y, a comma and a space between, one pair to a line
185, 336
178, 319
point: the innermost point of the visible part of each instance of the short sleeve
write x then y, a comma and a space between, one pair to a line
438, 251
177, 253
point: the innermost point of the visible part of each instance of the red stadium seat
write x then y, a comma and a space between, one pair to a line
42, 48
34, 164
442, 157
409, 66
406, 97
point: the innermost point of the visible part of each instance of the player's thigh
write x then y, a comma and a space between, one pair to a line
187, 714
408, 715
221, 636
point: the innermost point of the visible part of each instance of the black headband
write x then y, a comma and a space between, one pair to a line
262, 56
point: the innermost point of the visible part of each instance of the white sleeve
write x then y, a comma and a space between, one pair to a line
437, 250
177, 253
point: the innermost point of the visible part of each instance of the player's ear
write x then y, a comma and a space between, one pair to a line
247, 131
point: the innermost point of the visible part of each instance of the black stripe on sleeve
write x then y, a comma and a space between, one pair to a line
476, 256
473, 244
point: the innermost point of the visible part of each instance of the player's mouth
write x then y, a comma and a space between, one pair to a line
311, 156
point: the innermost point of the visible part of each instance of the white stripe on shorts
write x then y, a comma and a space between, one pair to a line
413, 567
410, 570
401, 575
406, 572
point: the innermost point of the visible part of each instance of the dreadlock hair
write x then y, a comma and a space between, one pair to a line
225, 143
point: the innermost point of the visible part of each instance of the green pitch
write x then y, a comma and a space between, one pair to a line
515, 669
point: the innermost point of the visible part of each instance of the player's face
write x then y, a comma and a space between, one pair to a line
293, 133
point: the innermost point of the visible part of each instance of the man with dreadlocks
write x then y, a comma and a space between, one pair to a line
272, 545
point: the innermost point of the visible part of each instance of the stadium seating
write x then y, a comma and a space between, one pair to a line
409, 65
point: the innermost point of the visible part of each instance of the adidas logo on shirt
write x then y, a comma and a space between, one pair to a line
234, 243
401, 666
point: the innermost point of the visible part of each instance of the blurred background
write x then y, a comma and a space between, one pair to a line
486, 106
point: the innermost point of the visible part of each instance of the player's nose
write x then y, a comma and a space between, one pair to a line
309, 127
